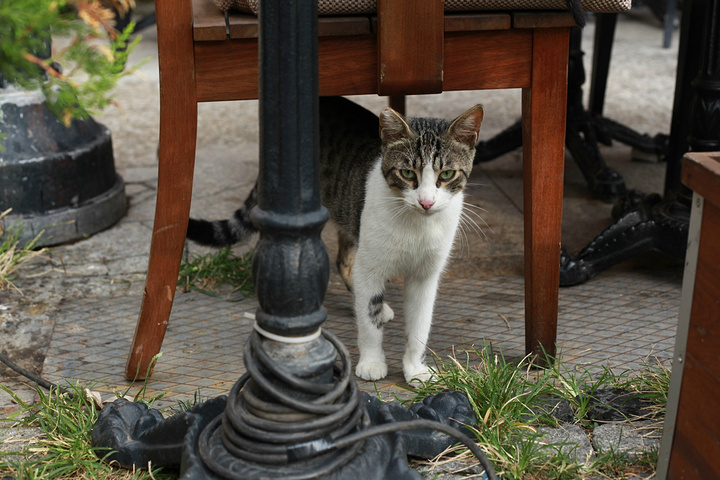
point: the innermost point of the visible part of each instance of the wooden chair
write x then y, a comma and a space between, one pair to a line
203, 58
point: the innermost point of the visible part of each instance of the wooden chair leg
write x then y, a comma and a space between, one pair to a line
171, 218
178, 131
544, 111
397, 103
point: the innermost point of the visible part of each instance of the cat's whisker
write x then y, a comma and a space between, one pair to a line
396, 203
476, 218
463, 240
477, 215
397, 211
478, 228
481, 219
396, 215
467, 221
463, 227
472, 205
392, 197
468, 227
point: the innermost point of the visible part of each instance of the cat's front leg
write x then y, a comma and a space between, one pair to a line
419, 302
371, 313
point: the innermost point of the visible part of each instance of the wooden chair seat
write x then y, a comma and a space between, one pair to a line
207, 56
481, 51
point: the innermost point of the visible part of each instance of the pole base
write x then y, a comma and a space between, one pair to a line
137, 435
56, 179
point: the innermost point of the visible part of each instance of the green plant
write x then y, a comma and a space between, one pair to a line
652, 383
505, 397
206, 273
184, 406
578, 386
66, 415
648, 460
613, 465
63, 450
511, 401
78, 78
12, 254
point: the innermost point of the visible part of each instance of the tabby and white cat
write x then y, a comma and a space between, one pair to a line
396, 200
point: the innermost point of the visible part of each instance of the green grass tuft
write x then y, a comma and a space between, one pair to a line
63, 450
12, 254
512, 400
651, 384
209, 273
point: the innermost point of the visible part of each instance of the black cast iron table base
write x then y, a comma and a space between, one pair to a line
644, 223
134, 435
653, 222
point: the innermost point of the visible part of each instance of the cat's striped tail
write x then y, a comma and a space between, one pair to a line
223, 233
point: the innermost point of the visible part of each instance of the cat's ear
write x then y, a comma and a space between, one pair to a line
393, 127
466, 128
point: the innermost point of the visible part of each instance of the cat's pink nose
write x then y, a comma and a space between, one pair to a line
426, 204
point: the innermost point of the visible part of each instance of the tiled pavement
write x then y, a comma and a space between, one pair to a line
618, 321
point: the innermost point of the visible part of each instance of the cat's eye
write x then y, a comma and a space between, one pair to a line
447, 174
408, 174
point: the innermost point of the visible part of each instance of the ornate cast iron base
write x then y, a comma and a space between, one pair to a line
644, 223
137, 435
652, 222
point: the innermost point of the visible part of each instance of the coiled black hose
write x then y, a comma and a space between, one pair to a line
299, 439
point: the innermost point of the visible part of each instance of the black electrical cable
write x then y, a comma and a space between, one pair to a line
252, 429
297, 439
423, 424
46, 384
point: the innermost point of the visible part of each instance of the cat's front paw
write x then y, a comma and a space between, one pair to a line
416, 375
371, 370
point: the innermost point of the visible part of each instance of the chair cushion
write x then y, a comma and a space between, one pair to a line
355, 7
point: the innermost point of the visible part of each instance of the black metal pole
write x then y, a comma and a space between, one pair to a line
705, 135
290, 266
689, 61
602, 50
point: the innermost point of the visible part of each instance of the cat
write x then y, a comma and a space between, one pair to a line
394, 189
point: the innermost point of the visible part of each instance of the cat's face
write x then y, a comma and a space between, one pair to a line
428, 161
